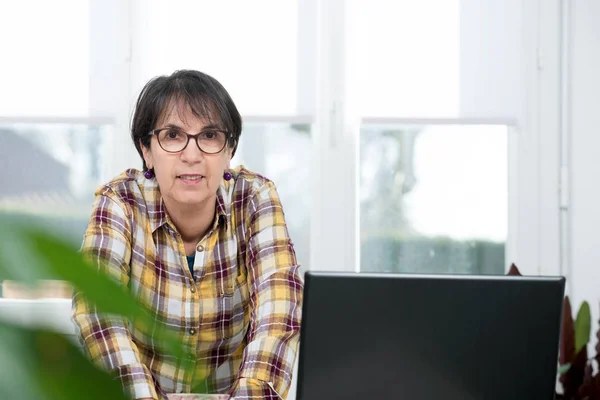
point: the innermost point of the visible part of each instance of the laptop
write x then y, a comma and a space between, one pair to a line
424, 337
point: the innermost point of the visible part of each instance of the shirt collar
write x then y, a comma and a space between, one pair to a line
157, 213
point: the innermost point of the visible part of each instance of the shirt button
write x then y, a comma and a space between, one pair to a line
192, 331
193, 289
200, 247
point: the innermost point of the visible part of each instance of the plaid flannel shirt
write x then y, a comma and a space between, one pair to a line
240, 315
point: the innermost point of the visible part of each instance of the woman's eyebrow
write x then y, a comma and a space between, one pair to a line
210, 126
173, 126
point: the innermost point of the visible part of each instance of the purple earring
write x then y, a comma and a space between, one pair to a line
149, 174
227, 176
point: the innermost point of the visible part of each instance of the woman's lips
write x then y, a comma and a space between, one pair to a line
190, 179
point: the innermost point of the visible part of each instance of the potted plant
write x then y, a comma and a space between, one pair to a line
575, 369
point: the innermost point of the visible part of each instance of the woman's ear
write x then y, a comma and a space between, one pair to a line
228, 157
232, 145
229, 150
147, 155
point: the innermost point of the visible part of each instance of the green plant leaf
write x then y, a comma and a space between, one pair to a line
563, 369
107, 295
41, 364
51, 257
17, 261
17, 379
583, 326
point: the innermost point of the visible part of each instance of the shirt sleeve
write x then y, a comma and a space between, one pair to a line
276, 289
105, 337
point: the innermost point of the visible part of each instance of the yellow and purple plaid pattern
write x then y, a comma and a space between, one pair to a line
240, 313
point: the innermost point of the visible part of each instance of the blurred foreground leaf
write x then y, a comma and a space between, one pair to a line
46, 256
39, 364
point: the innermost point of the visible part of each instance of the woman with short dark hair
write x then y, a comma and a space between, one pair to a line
203, 245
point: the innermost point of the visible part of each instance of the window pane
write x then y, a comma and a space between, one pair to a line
250, 47
433, 199
437, 58
407, 57
45, 53
50, 172
282, 153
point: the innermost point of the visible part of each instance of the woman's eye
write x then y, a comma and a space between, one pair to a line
209, 135
173, 134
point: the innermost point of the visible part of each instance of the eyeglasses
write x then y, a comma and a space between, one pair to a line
174, 140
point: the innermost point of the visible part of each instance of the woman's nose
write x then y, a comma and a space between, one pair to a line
191, 152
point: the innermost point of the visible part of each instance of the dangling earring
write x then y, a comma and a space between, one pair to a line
227, 176
149, 174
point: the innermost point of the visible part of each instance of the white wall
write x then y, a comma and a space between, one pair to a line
585, 154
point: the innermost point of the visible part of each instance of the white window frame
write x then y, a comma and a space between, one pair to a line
536, 237
534, 233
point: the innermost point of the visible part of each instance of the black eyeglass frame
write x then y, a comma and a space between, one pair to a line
228, 138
